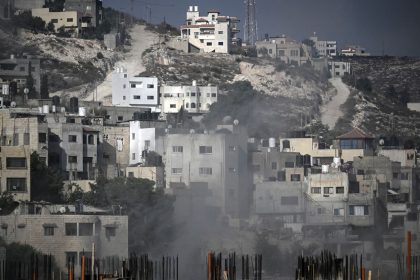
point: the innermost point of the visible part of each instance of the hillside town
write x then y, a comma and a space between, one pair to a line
90, 181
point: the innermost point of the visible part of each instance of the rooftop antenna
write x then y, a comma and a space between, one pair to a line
250, 29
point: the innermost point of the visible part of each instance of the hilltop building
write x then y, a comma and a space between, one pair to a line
283, 48
69, 20
90, 11
354, 51
324, 48
210, 33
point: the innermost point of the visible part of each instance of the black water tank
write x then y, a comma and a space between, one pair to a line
74, 105
56, 100
307, 160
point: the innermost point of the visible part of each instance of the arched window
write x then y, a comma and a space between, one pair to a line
192, 105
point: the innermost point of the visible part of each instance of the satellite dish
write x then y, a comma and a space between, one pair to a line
13, 104
14, 188
62, 209
235, 122
381, 142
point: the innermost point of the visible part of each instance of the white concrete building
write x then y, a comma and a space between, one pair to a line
324, 48
210, 33
69, 20
339, 68
354, 51
284, 48
193, 99
143, 139
130, 91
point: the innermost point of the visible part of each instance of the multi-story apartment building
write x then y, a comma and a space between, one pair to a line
15, 171
67, 233
19, 69
210, 33
283, 48
129, 91
152, 173
23, 128
69, 20
116, 150
193, 99
73, 146
90, 11
324, 48
216, 160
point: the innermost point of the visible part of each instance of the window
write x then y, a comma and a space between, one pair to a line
85, 229
176, 170
177, 149
130, 174
71, 229
339, 212
26, 138
316, 190
289, 164
209, 43
16, 184
205, 149
150, 86
150, 97
220, 43
124, 86
125, 75
136, 97
110, 231
124, 97
72, 159
42, 137
54, 20
69, 19
193, 105
146, 144
328, 190
48, 231
187, 105
205, 171
289, 200
72, 138
232, 169
133, 86
120, 118
274, 165
220, 32
192, 93
404, 176
395, 175
133, 156
339, 190
71, 257
133, 136
322, 211
213, 95
91, 140
295, 177
15, 162
172, 106
232, 148
359, 210
360, 172
270, 51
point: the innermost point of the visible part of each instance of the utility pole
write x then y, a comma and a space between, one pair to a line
250, 30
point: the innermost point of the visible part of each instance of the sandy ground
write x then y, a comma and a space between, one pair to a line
331, 112
140, 41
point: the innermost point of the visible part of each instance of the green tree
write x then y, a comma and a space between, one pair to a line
7, 203
46, 182
149, 210
51, 27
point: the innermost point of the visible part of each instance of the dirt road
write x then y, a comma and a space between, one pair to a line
331, 112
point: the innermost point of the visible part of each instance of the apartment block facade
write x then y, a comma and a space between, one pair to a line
69, 20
